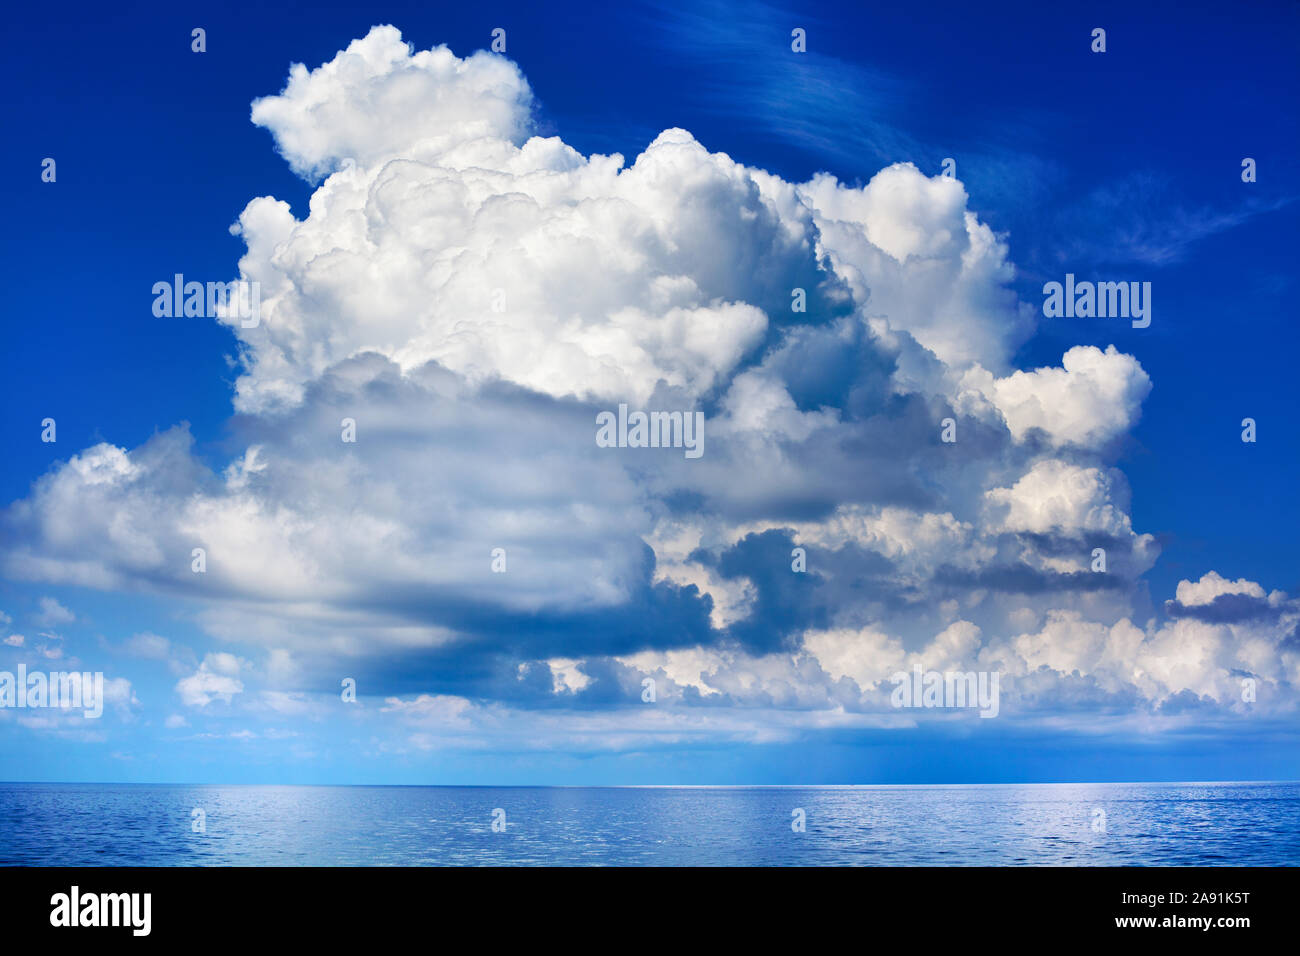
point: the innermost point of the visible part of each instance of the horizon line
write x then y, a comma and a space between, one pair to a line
658, 786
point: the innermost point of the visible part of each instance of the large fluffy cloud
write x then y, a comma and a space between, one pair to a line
471, 297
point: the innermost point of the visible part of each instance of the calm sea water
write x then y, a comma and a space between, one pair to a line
1049, 824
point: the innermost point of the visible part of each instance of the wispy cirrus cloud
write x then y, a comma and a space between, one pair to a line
1142, 219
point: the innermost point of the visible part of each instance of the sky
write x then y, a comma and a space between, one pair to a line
471, 255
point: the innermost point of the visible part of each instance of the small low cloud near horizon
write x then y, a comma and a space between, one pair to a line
417, 564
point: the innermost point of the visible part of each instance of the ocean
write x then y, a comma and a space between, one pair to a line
1206, 824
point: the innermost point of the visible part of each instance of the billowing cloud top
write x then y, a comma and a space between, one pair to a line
471, 298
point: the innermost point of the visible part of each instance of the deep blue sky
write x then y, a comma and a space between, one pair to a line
1126, 165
